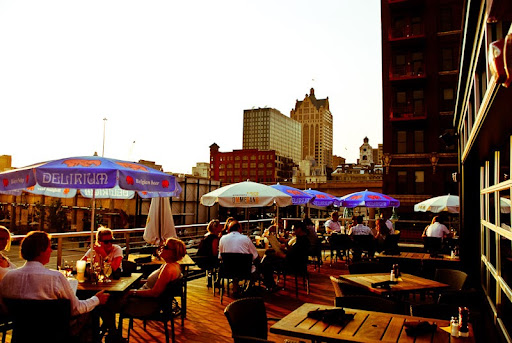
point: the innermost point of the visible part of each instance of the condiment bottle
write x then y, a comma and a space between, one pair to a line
392, 275
463, 322
454, 327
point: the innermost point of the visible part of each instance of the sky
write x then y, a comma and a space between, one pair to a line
173, 77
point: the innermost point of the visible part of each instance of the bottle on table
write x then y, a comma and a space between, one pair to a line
463, 322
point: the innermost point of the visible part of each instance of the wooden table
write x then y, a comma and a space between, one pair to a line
120, 285
406, 283
367, 326
417, 256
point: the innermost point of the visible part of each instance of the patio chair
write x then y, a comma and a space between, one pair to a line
454, 278
391, 244
340, 244
159, 309
297, 268
235, 267
40, 320
248, 320
211, 268
432, 245
363, 244
5, 325
370, 303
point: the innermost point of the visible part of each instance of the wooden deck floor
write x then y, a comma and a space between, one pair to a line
206, 323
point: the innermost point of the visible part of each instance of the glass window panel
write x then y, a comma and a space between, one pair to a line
492, 289
506, 259
505, 213
505, 164
492, 251
419, 182
448, 94
492, 215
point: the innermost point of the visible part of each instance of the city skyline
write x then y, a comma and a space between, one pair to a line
172, 78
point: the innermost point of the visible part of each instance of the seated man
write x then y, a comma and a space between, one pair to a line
295, 256
437, 229
361, 230
235, 242
34, 281
333, 225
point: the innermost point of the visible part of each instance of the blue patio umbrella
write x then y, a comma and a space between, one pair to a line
322, 199
89, 172
368, 199
298, 197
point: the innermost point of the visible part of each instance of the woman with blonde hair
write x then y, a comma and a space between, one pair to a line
105, 249
5, 245
145, 301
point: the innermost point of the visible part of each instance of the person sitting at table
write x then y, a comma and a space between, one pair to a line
225, 230
382, 231
34, 281
208, 249
106, 251
388, 223
143, 301
292, 258
437, 229
360, 228
5, 244
333, 225
235, 242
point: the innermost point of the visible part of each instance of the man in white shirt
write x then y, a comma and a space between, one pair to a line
360, 228
235, 242
34, 281
437, 229
333, 225
389, 224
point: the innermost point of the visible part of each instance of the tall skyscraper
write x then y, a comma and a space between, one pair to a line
420, 54
316, 120
269, 129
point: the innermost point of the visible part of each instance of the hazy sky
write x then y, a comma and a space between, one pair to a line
173, 77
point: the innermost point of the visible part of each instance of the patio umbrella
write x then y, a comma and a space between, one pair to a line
450, 204
88, 172
298, 197
160, 223
322, 199
368, 199
447, 203
246, 194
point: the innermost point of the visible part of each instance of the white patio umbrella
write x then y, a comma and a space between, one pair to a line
246, 194
160, 223
448, 203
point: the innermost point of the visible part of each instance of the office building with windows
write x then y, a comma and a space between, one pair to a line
316, 120
420, 49
269, 129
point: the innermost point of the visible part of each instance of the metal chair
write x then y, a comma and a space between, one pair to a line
40, 320
363, 244
248, 320
159, 309
235, 267
391, 244
432, 245
340, 243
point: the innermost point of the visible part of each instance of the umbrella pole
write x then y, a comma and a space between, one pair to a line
93, 219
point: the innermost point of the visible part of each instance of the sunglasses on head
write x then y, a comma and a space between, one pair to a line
108, 241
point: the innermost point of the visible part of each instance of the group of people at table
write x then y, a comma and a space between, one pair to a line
34, 281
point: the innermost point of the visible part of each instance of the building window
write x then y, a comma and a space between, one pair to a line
253, 165
237, 172
244, 165
419, 182
447, 59
401, 142
237, 158
419, 145
269, 165
402, 182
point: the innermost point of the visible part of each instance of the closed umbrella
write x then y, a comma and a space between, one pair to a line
160, 223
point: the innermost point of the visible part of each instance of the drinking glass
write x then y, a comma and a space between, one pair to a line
68, 267
107, 271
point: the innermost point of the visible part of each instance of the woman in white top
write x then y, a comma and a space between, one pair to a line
5, 245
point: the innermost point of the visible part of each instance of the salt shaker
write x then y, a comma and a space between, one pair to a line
392, 275
454, 327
